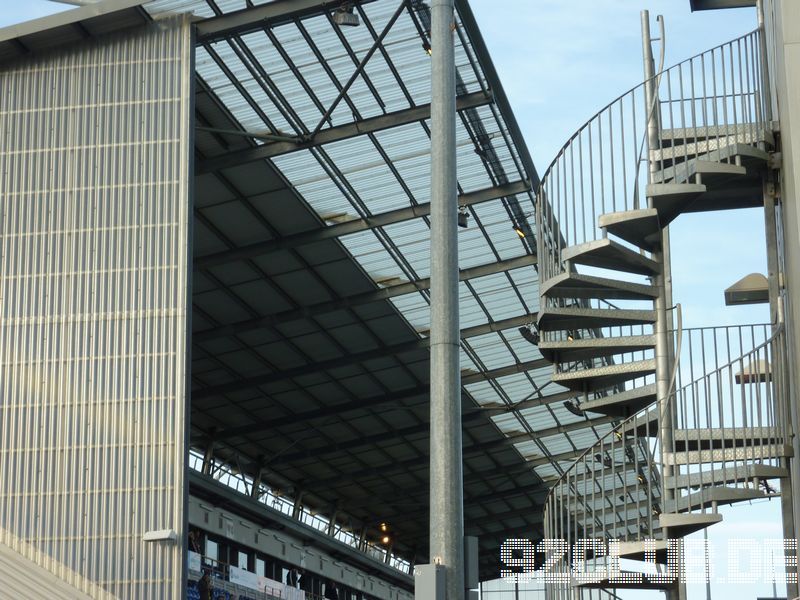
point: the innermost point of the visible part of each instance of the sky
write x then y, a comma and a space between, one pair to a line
560, 61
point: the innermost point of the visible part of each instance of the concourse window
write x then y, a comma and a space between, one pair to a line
261, 568
212, 549
242, 563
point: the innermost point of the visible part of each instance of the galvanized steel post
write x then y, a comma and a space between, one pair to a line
446, 477
663, 324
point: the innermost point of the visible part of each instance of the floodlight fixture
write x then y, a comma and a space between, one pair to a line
573, 408
463, 217
346, 16
750, 289
530, 334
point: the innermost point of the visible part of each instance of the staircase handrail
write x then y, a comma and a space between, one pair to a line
629, 91
593, 172
619, 427
776, 332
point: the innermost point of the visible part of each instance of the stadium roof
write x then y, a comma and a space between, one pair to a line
311, 238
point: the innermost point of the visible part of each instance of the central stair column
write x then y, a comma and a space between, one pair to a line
663, 284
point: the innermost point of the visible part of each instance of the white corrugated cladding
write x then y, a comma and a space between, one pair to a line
94, 175
21, 577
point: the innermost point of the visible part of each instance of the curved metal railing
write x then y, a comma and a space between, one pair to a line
704, 103
728, 420
611, 492
736, 412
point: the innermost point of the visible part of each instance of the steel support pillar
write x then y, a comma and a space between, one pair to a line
663, 282
297, 508
446, 471
208, 458
255, 489
332, 522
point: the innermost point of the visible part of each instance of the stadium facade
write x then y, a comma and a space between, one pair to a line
215, 293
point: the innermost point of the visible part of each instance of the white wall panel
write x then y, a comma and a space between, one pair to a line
94, 204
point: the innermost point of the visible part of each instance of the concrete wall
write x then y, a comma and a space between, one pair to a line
95, 153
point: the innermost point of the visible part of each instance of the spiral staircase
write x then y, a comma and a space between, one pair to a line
702, 414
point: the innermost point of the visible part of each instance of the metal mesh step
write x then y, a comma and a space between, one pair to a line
733, 474
692, 457
608, 254
638, 227
627, 580
553, 318
720, 149
712, 173
576, 350
603, 377
622, 404
682, 524
751, 132
724, 437
574, 285
671, 199
707, 498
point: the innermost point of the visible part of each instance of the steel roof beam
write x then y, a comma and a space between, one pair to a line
546, 460
334, 134
532, 514
275, 13
355, 226
520, 367
469, 449
538, 491
356, 300
399, 467
577, 426
320, 413
532, 532
414, 345
375, 402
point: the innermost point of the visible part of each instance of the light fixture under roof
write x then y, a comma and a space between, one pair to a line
463, 217
530, 334
519, 231
346, 16
573, 408
757, 371
750, 289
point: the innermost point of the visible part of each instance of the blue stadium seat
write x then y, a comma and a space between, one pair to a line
193, 592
